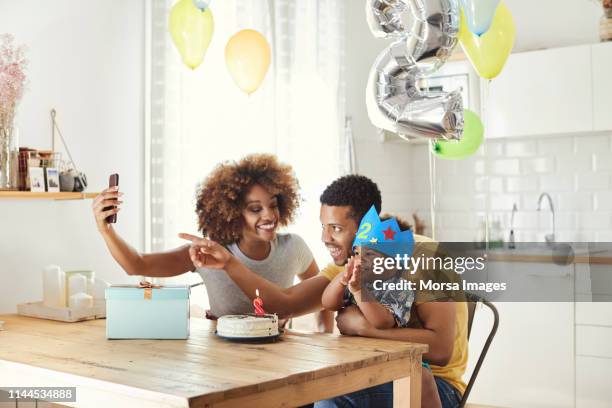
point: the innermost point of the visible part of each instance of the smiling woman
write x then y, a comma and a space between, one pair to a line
240, 207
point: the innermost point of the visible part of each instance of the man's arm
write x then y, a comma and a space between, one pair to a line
438, 332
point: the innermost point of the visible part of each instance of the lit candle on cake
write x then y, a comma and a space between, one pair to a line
258, 303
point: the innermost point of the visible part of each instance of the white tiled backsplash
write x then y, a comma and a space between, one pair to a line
575, 170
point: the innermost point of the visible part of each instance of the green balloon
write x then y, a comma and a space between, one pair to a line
473, 132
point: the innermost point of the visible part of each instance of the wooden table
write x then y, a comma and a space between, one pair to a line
204, 370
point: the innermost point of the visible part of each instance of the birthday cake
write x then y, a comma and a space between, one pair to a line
248, 326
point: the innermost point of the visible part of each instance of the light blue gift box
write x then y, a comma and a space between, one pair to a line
133, 312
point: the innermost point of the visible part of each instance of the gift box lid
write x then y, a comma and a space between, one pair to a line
135, 292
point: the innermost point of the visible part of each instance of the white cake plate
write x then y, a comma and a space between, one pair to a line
266, 339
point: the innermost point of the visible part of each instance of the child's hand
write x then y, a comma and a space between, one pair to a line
348, 272
354, 283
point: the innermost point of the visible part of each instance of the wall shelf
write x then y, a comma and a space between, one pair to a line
28, 195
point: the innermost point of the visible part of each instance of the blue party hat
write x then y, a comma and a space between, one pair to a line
383, 236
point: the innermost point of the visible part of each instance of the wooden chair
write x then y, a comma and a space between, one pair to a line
473, 301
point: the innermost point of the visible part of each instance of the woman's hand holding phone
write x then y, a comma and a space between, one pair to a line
100, 205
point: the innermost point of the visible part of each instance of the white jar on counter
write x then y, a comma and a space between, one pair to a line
54, 286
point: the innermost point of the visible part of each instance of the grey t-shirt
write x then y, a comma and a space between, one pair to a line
288, 257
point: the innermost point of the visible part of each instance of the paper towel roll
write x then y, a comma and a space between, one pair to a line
77, 284
54, 287
80, 301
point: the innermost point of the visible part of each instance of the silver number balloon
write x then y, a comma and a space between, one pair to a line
425, 34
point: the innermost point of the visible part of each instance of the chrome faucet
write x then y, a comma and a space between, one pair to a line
550, 238
511, 243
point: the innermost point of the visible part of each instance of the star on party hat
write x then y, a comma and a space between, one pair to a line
383, 236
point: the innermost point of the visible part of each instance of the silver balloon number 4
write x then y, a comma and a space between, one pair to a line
425, 32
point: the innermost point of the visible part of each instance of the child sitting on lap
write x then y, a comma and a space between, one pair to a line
382, 308
391, 308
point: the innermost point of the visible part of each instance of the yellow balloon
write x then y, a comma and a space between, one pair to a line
489, 52
191, 30
247, 55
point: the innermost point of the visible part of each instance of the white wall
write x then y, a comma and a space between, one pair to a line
575, 170
87, 61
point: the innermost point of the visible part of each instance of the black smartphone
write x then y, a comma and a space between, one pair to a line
113, 181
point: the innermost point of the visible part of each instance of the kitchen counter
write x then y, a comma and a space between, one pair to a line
596, 259
595, 254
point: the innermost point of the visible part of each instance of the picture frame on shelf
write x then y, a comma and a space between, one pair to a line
37, 179
52, 178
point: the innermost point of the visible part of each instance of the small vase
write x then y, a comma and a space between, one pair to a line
605, 29
6, 168
67, 181
9, 158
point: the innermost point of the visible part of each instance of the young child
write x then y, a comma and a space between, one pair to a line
392, 308
384, 309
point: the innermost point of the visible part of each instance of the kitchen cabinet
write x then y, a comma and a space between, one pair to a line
593, 376
594, 341
602, 86
541, 93
593, 336
593, 382
594, 313
561, 351
557, 91
531, 360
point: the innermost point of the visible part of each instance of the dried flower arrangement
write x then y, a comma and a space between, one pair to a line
12, 78
12, 84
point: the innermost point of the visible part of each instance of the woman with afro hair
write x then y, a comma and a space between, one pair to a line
240, 207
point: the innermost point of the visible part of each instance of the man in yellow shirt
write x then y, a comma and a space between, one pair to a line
442, 325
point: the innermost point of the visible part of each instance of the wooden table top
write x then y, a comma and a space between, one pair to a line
203, 368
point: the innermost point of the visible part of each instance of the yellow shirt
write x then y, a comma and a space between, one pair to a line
454, 370
331, 271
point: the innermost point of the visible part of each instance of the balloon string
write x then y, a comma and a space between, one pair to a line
485, 113
432, 188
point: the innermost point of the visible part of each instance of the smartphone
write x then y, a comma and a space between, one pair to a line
113, 181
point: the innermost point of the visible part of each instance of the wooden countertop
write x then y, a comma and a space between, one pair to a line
595, 259
201, 371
